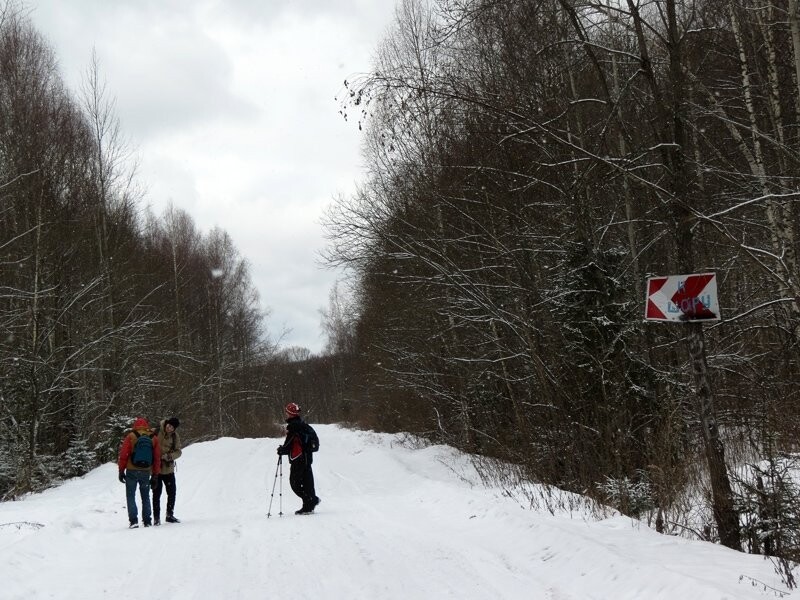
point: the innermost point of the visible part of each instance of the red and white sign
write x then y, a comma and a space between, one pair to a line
682, 298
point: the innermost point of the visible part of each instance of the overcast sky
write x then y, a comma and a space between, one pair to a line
230, 107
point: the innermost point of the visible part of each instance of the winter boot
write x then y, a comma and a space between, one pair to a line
172, 519
308, 507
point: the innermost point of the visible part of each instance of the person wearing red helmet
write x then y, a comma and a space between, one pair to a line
139, 465
300, 444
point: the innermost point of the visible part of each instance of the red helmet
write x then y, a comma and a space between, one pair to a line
292, 410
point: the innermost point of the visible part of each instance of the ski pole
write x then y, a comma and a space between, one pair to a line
280, 488
272, 495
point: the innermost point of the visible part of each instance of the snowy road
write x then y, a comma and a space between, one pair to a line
395, 523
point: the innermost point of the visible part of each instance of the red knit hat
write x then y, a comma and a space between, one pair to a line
141, 423
292, 410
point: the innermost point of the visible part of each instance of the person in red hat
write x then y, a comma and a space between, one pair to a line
139, 465
300, 444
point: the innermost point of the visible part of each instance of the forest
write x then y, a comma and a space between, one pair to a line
106, 310
530, 163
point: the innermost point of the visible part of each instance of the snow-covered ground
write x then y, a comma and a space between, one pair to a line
395, 523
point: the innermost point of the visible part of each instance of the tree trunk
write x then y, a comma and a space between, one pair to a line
723, 508
722, 495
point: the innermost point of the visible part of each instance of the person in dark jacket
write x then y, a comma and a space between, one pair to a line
170, 443
141, 475
301, 441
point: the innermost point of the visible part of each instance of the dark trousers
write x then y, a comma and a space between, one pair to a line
301, 478
166, 482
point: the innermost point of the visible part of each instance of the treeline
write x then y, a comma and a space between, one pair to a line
531, 163
106, 312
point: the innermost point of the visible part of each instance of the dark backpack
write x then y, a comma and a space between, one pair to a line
310, 440
142, 455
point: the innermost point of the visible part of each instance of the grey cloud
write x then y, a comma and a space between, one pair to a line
181, 84
231, 104
252, 12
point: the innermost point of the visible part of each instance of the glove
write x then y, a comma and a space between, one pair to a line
281, 451
153, 480
122, 476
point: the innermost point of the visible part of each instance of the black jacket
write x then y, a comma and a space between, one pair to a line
309, 442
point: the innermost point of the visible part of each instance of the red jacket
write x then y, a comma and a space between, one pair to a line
141, 427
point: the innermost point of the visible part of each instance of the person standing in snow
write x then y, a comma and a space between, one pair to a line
300, 444
170, 444
139, 464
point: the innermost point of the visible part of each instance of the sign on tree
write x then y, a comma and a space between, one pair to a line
682, 298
